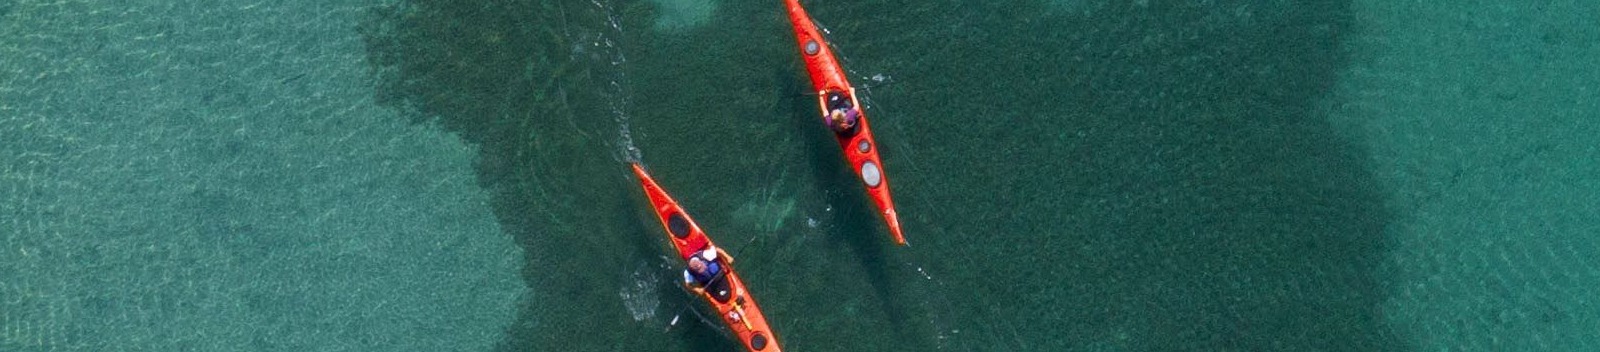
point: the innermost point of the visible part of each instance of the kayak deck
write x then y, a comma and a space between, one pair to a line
735, 307
859, 147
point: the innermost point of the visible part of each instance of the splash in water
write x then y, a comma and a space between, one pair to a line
639, 295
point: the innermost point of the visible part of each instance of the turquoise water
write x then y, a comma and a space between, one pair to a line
1073, 175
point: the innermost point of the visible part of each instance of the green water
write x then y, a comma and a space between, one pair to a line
1072, 175
1142, 178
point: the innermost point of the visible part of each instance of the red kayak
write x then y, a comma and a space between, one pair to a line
859, 147
726, 293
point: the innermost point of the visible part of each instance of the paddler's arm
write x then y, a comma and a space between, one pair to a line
688, 282
725, 255
697, 289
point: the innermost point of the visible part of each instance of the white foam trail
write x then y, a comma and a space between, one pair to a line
618, 97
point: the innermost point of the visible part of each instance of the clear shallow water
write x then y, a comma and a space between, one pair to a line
200, 177
1073, 175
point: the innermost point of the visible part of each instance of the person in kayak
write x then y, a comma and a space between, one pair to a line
842, 115
705, 271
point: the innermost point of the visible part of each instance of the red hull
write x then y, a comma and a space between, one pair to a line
859, 148
686, 236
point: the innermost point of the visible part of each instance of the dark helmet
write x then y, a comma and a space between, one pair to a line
837, 100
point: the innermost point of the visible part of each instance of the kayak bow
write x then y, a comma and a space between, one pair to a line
859, 147
733, 303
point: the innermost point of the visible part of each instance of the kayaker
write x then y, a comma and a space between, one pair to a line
703, 268
842, 120
842, 115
